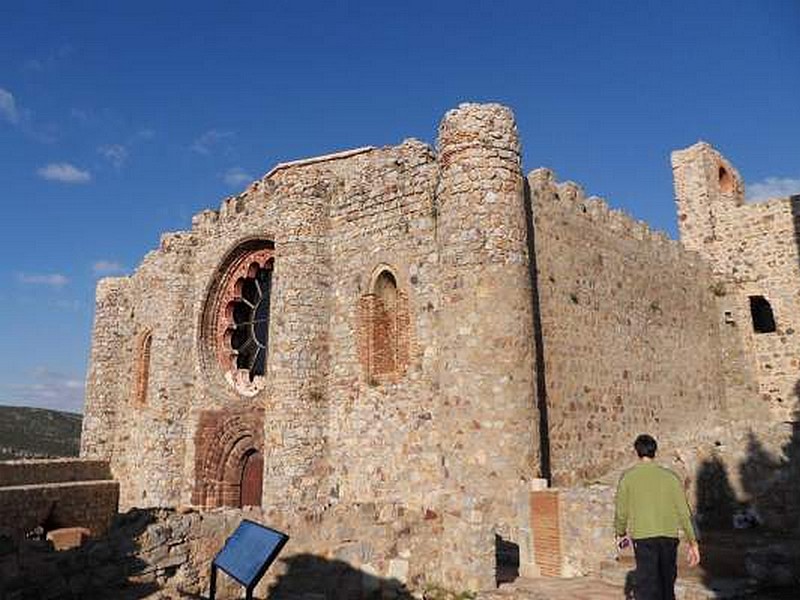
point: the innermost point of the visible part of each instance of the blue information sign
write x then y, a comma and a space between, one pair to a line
248, 553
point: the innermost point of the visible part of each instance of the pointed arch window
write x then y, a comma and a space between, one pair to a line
384, 325
384, 329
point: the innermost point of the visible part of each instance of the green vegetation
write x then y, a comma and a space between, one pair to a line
38, 433
434, 592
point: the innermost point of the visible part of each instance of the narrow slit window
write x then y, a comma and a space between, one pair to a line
725, 181
763, 318
143, 367
384, 332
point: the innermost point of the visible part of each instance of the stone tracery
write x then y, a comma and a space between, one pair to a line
236, 319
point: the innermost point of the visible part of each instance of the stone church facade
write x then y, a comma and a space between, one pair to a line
432, 329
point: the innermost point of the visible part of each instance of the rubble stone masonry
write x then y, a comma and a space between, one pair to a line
753, 251
56, 493
630, 331
427, 328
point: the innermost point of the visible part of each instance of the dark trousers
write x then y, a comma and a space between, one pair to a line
656, 568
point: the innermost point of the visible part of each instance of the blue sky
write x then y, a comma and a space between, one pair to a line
119, 120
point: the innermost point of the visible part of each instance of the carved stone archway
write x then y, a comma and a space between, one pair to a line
228, 454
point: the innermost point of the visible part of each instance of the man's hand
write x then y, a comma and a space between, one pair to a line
693, 554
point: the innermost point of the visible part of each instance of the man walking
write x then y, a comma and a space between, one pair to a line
650, 508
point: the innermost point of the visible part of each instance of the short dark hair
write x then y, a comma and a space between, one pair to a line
645, 445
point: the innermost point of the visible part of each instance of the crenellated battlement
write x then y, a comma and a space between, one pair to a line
568, 196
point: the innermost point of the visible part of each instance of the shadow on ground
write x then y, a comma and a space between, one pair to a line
310, 576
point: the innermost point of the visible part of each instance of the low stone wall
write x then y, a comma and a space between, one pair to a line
57, 470
587, 528
90, 504
360, 548
354, 551
736, 475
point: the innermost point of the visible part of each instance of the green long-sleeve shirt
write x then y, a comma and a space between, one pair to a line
651, 503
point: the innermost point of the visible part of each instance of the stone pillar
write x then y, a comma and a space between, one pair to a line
486, 371
109, 367
296, 413
707, 189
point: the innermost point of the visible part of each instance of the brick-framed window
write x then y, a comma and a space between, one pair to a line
144, 343
384, 329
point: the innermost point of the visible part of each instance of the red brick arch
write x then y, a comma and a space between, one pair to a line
225, 440
384, 328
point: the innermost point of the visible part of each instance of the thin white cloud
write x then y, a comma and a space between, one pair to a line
22, 118
772, 187
107, 267
8, 107
212, 139
64, 173
237, 176
116, 154
48, 61
55, 280
47, 389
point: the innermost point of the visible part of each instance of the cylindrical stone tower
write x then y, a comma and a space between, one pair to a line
296, 416
487, 377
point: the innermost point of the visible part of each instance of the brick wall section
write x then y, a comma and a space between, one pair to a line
753, 250
90, 504
546, 527
57, 470
630, 331
384, 338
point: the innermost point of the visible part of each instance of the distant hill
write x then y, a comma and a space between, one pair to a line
38, 433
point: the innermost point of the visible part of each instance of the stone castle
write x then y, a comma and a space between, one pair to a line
414, 347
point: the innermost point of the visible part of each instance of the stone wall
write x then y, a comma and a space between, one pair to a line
56, 493
56, 470
440, 418
630, 332
426, 308
731, 469
397, 550
753, 250
89, 504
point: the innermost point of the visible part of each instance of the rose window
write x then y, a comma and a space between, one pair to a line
235, 326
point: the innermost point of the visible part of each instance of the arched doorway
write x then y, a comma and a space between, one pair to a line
229, 460
252, 479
